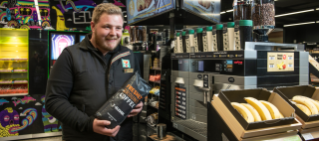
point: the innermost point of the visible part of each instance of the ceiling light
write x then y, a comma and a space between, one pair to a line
295, 13
317, 9
286, 25
317, 21
222, 12
125, 16
231, 10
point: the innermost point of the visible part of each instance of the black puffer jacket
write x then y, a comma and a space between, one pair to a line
80, 83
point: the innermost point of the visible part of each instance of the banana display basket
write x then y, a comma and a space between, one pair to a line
288, 112
305, 90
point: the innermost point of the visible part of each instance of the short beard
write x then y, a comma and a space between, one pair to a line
100, 43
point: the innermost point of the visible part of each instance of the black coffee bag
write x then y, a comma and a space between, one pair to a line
123, 101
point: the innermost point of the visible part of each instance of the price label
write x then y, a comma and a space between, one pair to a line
271, 58
307, 136
271, 66
290, 58
290, 65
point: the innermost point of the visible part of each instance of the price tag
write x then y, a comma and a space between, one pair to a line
271, 58
290, 65
307, 136
290, 58
271, 66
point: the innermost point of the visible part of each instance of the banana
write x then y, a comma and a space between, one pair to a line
304, 109
253, 111
274, 112
307, 102
261, 109
281, 115
243, 111
312, 100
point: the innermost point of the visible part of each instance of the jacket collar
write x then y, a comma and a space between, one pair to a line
86, 45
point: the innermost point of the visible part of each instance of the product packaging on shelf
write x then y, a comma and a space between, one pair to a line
228, 96
246, 28
237, 36
123, 101
198, 40
190, 45
214, 39
184, 41
178, 43
219, 37
207, 39
309, 91
225, 38
231, 34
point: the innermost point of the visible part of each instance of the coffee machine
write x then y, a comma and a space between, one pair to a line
195, 77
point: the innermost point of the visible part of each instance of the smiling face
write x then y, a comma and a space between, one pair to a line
107, 32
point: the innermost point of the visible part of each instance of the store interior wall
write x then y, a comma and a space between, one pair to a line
301, 33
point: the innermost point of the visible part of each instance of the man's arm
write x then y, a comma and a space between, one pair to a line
57, 94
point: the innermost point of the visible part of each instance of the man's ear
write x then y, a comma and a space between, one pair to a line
92, 26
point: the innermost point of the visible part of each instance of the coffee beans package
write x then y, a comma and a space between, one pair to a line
123, 101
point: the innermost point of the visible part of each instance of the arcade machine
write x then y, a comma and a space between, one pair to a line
196, 76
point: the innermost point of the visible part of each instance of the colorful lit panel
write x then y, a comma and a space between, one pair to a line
59, 42
82, 37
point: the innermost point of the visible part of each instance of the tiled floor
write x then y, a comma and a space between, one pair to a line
58, 138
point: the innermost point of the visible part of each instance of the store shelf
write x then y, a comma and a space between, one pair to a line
157, 69
13, 83
12, 59
152, 107
154, 95
151, 127
14, 72
195, 129
159, 82
17, 94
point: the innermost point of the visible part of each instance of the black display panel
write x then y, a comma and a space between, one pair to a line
38, 61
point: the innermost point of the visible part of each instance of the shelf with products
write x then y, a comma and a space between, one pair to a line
13, 59
14, 63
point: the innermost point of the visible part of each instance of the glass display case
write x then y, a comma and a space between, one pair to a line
14, 48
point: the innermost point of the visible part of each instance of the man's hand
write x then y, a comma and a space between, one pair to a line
99, 127
138, 108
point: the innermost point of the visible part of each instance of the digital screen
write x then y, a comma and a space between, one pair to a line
82, 37
208, 9
200, 65
138, 10
59, 42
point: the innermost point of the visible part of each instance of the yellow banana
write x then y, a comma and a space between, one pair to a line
274, 112
304, 109
307, 102
253, 111
281, 115
243, 111
261, 109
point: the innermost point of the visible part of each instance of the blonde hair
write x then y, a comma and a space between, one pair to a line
107, 8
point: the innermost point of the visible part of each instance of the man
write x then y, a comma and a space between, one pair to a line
87, 74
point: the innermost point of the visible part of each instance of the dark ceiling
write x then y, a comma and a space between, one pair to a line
282, 7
